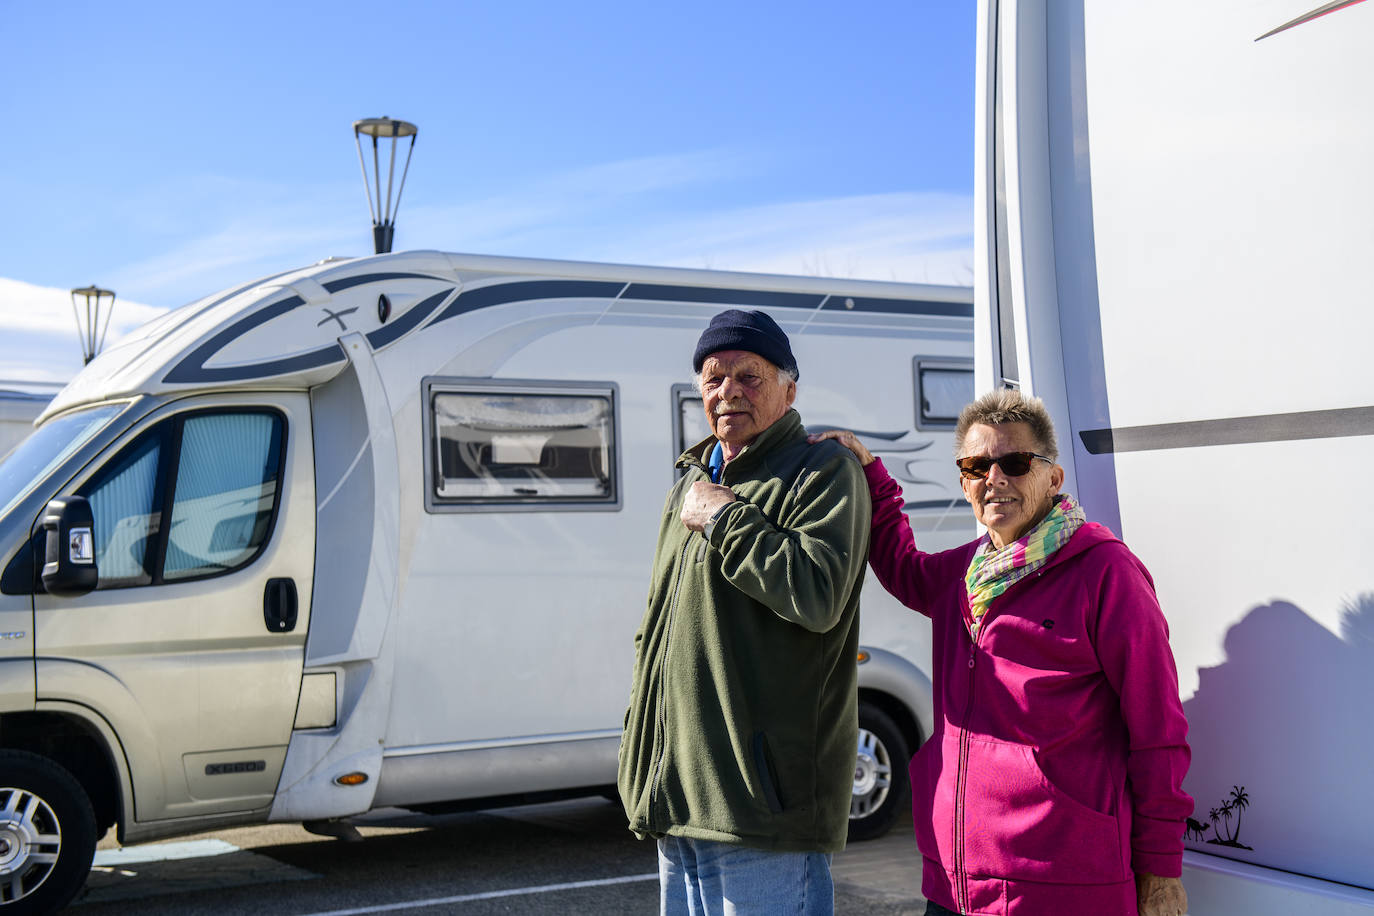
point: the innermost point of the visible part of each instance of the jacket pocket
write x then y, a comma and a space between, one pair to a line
932, 773
767, 774
1016, 824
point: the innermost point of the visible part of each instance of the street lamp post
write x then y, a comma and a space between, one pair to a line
88, 326
384, 211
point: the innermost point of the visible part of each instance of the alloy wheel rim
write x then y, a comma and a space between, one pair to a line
30, 842
872, 776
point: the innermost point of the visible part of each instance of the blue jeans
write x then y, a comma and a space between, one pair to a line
934, 909
705, 878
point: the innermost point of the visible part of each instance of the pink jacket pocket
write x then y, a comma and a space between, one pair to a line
1016, 824
932, 800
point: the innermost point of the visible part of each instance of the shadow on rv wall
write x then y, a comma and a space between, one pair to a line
1282, 744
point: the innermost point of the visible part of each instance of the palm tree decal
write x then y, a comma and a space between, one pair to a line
1239, 801
1235, 803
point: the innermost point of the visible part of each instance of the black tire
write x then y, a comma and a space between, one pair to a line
880, 777
47, 835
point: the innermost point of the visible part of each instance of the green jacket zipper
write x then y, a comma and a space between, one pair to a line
663, 684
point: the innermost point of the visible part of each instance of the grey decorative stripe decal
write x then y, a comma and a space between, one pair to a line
189, 371
932, 504
657, 292
1278, 427
239, 289
192, 368
482, 744
335, 285
500, 294
889, 437
411, 319
810, 301
898, 306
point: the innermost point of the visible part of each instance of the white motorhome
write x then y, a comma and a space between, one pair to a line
1172, 245
377, 533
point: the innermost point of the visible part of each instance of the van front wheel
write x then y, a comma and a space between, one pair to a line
47, 834
880, 777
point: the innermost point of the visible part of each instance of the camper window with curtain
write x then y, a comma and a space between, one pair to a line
545, 446
943, 387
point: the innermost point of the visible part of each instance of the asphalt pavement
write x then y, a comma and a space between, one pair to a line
564, 857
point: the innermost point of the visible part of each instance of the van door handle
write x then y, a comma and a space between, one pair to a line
279, 605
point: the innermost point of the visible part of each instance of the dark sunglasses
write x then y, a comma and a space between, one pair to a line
1013, 464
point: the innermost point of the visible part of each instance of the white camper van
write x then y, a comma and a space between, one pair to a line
377, 533
1173, 247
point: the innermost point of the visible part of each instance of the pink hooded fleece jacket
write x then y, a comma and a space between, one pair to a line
1056, 768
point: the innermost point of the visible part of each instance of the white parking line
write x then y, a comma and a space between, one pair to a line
162, 852
488, 895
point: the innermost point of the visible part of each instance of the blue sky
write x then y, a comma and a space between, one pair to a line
168, 150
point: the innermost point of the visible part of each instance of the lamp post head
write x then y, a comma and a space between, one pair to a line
88, 327
384, 210
385, 127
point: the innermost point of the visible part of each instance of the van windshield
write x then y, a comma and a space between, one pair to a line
46, 448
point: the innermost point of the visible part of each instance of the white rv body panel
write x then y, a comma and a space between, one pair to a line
1173, 233
462, 647
561, 689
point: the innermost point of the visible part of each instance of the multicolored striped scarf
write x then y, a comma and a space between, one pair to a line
992, 571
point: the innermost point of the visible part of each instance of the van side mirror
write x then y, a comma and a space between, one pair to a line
69, 547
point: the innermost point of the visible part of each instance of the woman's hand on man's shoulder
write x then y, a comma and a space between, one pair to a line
848, 440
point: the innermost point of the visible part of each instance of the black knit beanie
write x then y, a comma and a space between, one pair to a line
753, 331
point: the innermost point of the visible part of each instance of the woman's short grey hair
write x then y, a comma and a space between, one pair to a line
1007, 405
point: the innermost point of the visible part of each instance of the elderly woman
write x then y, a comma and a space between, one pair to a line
1052, 783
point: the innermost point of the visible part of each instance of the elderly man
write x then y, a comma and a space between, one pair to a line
738, 750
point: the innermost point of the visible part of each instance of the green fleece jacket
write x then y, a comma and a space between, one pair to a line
743, 718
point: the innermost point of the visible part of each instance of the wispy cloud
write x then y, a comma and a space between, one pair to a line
669, 209
906, 237
24, 306
664, 210
261, 227
235, 253
644, 211
211, 232
38, 330
570, 204
648, 174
